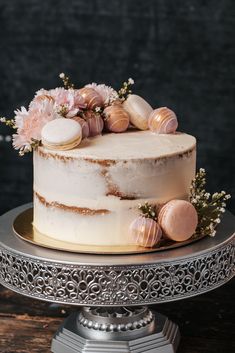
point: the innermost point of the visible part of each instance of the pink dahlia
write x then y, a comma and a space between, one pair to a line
107, 93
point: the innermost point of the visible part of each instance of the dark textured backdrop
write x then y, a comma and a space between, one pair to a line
180, 53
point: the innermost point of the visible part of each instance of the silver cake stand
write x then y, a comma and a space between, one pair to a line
115, 291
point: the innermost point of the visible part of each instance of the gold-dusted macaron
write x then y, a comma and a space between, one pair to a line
163, 121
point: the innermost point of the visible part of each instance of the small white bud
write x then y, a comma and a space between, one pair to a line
62, 75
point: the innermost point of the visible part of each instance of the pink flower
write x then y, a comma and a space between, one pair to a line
66, 102
29, 123
69, 101
40, 96
107, 93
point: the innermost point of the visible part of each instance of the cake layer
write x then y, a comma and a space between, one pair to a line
90, 194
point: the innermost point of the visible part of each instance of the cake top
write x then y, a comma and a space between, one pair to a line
96, 109
131, 145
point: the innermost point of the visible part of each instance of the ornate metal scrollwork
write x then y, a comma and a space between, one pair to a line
117, 285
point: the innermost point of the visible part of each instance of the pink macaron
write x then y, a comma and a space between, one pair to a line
178, 220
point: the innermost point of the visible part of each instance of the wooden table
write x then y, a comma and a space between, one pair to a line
207, 322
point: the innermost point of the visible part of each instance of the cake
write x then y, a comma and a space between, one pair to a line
90, 194
109, 170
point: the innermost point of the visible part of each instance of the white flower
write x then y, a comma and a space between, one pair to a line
131, 81
217, 220
213, 233
62, 75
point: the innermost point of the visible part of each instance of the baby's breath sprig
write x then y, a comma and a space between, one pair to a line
66, 81
209, 207
98, 111
125, 90
8, 122
149, 211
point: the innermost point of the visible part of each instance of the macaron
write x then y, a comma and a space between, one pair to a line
61, 134
138, 110
178, 220
163, 121
145, 232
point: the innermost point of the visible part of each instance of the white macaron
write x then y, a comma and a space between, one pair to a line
61, 134
139, 111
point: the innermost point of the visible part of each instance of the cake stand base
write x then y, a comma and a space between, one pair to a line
116, 330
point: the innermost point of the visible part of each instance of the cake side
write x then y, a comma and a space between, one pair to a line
90, 195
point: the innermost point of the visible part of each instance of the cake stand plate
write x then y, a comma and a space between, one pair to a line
23, 227
114, 291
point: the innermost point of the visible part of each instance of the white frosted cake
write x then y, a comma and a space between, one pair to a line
90, 194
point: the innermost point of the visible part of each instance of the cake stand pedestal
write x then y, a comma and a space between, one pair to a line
115, 291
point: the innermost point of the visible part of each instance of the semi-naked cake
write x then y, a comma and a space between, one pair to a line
111, 171
90, 194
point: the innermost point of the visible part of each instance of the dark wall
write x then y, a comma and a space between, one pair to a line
180, 53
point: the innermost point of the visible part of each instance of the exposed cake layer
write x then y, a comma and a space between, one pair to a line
90, 194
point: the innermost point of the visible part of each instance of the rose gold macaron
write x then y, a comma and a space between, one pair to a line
178, 220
